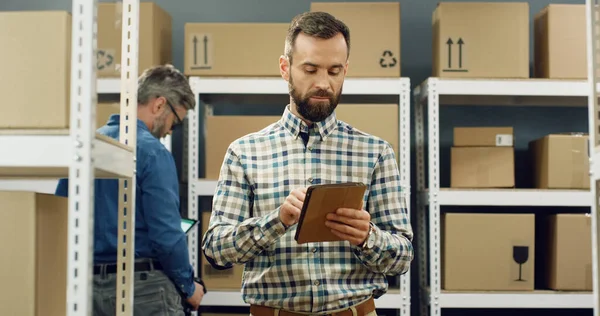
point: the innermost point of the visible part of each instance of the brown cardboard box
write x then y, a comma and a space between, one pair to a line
33, 265
213, 49
488, 252
104, 110
482, 167
155, 38
230, 279
376, 119
560, 42
483, 137
36, 54
560, 161
374, 35
481, 40
566, 252
222, 130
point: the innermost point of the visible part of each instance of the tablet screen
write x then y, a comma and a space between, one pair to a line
187, 224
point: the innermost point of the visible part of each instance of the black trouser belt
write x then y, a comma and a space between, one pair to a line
137, 266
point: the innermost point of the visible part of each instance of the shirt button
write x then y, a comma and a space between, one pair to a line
310, 148
310, 179
314, 250
316, 282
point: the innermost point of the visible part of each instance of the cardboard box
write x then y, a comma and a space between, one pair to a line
374, 36
483, 137
488, 252
565, 252
155, 38
560, 161
33, 265
560, 42
230, 279
36, 54
381, 120
213, 49
481, 40
104, 110
222, 130
482, 167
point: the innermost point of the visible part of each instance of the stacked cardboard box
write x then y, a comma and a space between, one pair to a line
33, 265
36, 52
560, 161
481, 40
214, 49
482, 157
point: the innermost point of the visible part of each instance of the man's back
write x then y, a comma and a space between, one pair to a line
154, 167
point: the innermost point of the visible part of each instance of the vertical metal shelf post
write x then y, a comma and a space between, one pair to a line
128, 136
81, 171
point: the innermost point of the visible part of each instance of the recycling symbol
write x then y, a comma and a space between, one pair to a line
104, 59
387, 60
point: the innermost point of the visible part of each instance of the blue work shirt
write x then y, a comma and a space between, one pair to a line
158, 232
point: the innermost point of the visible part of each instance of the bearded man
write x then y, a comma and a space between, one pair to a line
263, 183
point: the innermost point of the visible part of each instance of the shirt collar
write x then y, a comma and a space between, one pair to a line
295, 125
115, 119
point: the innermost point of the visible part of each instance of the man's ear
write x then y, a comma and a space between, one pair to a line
284, 67
346, 67
157, 105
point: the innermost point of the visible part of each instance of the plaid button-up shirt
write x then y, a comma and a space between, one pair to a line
258, 173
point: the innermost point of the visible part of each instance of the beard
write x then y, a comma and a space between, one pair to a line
158, 128
314, 112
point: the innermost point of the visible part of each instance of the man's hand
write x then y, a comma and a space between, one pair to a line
196, 298
350, 224
289, 212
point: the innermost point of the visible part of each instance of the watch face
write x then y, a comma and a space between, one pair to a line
371, 241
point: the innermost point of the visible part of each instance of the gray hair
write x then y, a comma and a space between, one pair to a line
318, 24
168, 82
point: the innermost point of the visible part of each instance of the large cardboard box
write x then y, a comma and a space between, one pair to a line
222, 130
565, 252
481, 40
488, 252
374, 36
104, 110
482, 167
483, 137
213, 49
560, 42
560, 161
230, 279
381, 120
155, 38
33, 265
35, 54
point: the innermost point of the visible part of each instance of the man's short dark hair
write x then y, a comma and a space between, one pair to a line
318, 24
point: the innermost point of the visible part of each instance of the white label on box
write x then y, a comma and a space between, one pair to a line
504, 140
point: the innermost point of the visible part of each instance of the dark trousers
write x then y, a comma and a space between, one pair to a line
154, 295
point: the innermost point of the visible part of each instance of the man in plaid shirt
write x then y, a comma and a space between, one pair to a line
263, 182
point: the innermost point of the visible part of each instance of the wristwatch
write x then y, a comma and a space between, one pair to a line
370, 242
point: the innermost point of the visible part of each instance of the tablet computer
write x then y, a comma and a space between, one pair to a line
187, 224
321, 200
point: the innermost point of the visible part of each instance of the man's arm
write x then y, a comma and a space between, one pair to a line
160, 203
233, 237
392, 252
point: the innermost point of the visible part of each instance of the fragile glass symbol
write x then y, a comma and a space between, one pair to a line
520, 255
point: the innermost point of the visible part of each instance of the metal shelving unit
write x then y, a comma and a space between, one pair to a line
429, 96
592, 36
81, 155
270, 86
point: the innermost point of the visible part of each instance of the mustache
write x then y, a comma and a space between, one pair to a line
321, 93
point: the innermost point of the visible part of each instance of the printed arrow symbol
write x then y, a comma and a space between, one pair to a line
460, 45
205, 50
449, 42
195, 52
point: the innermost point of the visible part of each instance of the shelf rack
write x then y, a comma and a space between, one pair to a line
81, 155
593, 66
428, 97
272, 86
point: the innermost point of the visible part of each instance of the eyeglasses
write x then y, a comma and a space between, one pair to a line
179, 121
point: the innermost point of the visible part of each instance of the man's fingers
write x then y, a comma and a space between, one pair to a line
352, 213
294, 201
353, 231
